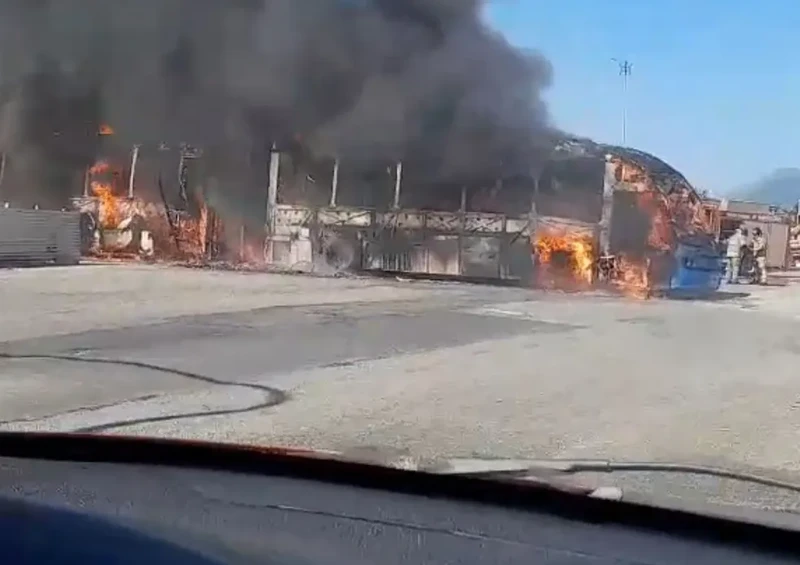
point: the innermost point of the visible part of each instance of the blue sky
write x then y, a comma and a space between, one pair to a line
715, 86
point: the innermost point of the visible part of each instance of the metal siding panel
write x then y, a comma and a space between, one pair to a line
518, 259
443, 255
480, 256
418, 258
281, 252
777, 246
39, 236
744, 207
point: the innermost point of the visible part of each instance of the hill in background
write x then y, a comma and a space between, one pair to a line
779, 188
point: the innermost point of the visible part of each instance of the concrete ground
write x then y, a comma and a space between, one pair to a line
428, 369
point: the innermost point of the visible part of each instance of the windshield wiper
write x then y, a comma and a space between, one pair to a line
541, 468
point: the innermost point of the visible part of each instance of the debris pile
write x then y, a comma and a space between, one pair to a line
119, 225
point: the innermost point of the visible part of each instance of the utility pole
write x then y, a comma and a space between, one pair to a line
625, 68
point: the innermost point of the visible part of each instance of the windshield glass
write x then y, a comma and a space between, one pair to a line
406, 231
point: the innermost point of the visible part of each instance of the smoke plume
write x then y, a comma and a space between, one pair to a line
370, 81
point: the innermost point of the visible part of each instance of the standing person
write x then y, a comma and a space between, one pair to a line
747, 264
734, 255
760, 254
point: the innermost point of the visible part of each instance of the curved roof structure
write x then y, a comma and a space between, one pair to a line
661, 175
664, 176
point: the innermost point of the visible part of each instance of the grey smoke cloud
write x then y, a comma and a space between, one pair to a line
369, 80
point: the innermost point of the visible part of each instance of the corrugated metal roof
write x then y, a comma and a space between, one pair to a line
747, 207
665, 177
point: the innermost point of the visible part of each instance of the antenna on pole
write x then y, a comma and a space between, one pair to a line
625, 68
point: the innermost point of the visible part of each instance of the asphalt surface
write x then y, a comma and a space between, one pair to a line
427, 370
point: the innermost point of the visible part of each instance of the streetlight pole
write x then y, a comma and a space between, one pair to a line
625, 68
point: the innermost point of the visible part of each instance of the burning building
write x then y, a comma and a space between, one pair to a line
650, 232
132, 209
589, 215
411, 137
592, 215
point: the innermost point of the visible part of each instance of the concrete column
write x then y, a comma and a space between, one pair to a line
272, 201
182, 188
397, 182
272, 188
609, 184
335, 183
132, 179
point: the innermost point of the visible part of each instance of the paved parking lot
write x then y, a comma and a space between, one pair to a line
430, 369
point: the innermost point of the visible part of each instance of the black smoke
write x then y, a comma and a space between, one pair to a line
369, 81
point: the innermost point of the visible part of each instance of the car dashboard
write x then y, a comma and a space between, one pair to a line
59, 511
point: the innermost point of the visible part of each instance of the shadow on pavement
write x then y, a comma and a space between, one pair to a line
720, 296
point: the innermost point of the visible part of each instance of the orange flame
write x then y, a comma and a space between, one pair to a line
105, 129
202, 227
175, 236
577, 250
108, 202
633, 278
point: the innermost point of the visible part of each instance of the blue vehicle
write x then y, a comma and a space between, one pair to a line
698, 269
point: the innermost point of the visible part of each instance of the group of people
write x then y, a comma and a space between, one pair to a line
747, 256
